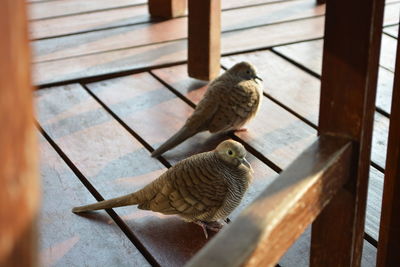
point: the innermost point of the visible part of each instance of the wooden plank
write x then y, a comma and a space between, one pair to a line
391, 14
348, 89
374, 203
299, 254
388, 52
172, 52
392, 30
389, 243
167, 9
309, 55
70, 240
88, 22
49, 9
145, 34
204, 39
19, 185
264, 230
115, 163
274, 132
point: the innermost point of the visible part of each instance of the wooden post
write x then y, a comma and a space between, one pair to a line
389, 233
204, 39
167, 9
19, 192
349, 78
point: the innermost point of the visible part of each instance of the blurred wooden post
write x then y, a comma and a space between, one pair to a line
349, 77
19, 192
167, 8
389, 233
204, 39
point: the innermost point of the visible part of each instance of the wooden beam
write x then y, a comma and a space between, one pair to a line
348, 89
167, 9
389, 233
204, 39
267, 228
19, 190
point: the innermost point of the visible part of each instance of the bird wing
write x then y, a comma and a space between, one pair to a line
236, 106
191, 189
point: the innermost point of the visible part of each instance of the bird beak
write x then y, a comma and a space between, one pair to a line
258, 78
247, 164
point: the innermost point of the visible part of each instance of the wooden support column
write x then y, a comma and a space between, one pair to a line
349, 77
204, 39
167, 9
19, 190
389, 233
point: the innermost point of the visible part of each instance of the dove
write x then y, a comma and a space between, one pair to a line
230, 102
204, 188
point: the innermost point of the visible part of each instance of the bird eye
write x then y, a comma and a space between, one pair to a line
230, 152
248, 72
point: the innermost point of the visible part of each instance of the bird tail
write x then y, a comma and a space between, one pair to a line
183, 134
130, 199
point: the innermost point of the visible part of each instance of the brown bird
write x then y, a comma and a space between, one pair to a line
203, 188
229, 103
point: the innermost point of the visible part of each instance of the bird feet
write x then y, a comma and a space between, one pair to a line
213, 226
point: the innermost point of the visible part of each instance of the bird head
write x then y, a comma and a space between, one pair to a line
233, 153
244, 70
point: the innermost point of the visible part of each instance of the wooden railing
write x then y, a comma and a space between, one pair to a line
327, 184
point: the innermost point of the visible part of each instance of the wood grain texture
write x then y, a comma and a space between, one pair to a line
70, 240
283, 210
172, 52
19, 185
162, 31
392, 11
88, 22
115, 163
348, 90
388, 52
167, 9
374, 203
389, 242
309, 55
204, 39
274, 132
49, 9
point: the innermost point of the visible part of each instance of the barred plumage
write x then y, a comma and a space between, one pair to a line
203, 188
229, 103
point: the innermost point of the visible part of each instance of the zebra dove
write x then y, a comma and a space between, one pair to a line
229, 103
203, 188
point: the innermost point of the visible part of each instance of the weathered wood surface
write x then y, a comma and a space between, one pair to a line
148, 33
167, 9
389, 242
49, 9
172, 52
19, 185
86, 22
70, 240
268, 227
204, 39
347, 104
272, 122
309, 55
115, 163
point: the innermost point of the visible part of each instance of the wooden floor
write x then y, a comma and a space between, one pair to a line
113, 86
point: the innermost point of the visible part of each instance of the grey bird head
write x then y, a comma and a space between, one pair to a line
233, 153
244, 70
